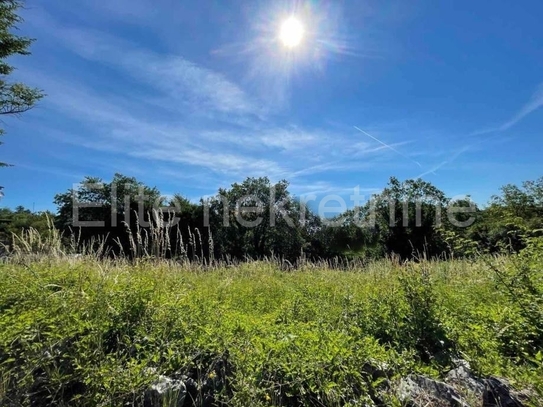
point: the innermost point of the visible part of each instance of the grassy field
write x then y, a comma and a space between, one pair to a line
77, 331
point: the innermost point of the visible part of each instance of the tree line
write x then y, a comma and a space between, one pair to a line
258, 218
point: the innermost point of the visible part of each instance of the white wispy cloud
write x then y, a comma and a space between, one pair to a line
531, 106
118, 130
259, 138
51, 170
450, 158
390, 147
179, 113
535, 103
215, 161
491, 133
326, 187
193, 87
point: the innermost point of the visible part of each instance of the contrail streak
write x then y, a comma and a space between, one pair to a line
387, 146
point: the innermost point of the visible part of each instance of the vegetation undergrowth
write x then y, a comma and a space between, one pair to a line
83, 331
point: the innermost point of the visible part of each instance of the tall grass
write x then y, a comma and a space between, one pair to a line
93, 331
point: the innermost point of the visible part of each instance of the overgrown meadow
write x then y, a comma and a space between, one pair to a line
91, 332
106, 303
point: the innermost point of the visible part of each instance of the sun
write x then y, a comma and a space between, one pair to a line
292, 32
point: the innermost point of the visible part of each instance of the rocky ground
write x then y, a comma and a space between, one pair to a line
459, 388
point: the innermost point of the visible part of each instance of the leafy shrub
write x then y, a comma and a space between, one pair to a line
522, 282
424, 331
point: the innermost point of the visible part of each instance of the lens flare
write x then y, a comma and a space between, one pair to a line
292, 32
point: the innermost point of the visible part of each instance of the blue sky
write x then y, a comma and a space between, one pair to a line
192, 96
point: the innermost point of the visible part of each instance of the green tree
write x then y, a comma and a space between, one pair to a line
257, 218
403, 219
350, 234
460, 229
13, 222
15, 97
521, 203
406, 217
512, 216
105, 210
108, 202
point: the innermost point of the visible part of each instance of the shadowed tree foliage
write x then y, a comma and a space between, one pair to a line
402, 219
350, 234
190, 214
457, 229
257, 218
13, 222
15, 98
407, 216
98, 208
511, 217
107, 202
190, 234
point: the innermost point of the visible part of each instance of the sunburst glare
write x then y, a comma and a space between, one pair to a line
291, 33
291, 38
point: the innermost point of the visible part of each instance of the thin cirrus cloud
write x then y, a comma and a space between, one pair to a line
120, 131
116, 129
197, 88
182, 113
535, 103
531, 106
